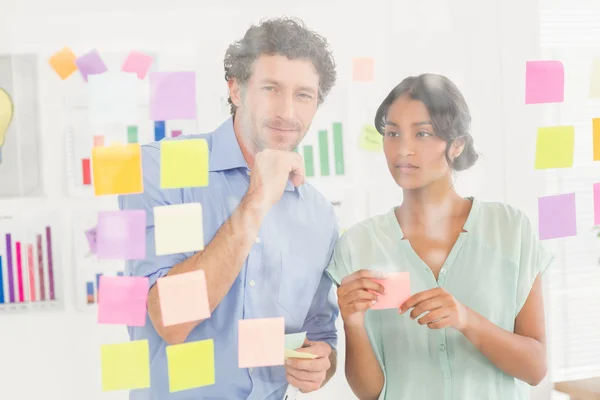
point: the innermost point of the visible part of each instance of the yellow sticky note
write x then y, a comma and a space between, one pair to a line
178, 228
125, 365
555, 147
595, 80
297, 354
191, 365
63, 63
363, 69
596, 138
183, 163
117, 169
370, 139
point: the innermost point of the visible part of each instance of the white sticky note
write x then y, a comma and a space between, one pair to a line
113, 98
294, 341
178, 228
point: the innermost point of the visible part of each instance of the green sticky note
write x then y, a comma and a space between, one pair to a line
309, 162
183, 163
191, 365
125, 366
324, 153
370, 139
132, 134
555, 147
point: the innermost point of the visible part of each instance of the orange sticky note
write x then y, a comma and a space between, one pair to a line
63, 62
261, 342
397, 291
117, 169
363, 69
183, 298
596, 138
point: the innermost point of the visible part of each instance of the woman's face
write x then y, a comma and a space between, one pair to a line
415, 155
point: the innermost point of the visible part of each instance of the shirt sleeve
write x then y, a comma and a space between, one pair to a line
153, 266
534, 260
323, 313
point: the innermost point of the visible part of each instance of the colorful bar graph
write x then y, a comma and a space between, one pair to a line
132, 134
338, 148
175, 133
324, 153
50, 265
31, 272
98, 286
90, 292
309, 162
41, 267
119, 273
159, 130
1, 282
20, 273
9, 266
98, 141
85, 168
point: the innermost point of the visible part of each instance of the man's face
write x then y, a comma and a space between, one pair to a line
278, 103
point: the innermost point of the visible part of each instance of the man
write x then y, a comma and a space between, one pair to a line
268, 236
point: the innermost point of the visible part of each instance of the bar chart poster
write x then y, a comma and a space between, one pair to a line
30, 266
88, 268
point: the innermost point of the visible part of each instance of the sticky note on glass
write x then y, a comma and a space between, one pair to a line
370, 139
90, 64
121, 235
172, 95
294, 341
63, 63
261, 342
137, 62
91, 238
122, 300
555, 147
178, 228
557, 216
183, 298
191, 365
396, 292
113, 98
363, 69
183, 163
596, 203
596, 138
125, 366
544, 82
117, 169
595, 80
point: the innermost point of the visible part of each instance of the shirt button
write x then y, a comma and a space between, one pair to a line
257, 240
442, 347
247, 172
252, 283
443, 271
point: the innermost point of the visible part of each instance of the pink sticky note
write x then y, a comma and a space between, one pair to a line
121, 235
544, 82
596, 203
261, 342
363, 69
122, 300
397, 291
172, 95
183, 298
90, 63
557, 216
139, 63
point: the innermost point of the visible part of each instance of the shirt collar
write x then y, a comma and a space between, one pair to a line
226, 154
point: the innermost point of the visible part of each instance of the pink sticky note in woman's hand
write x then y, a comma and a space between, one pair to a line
397, 291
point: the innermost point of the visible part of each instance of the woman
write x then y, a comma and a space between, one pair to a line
474, 326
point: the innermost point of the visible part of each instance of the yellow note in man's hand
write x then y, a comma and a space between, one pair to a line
125, 366
298, 354
191, 365
370, 139
555, 147
117, 169
183, 163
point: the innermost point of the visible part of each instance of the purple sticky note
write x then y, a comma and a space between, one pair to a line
90, 64
121, 235
139, 63
90, 235
596, 203
172, 95
544, 82
557, 216
122, 300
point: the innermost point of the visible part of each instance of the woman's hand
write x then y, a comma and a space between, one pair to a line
356, 294
443, 310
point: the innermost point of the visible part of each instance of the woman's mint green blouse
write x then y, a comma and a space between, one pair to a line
490, 269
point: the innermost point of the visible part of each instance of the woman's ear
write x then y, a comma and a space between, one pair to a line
458, 145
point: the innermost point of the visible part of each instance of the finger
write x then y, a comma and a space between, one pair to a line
303, 386
433, 316
362, 284
417, 298
427, 305
314, 365
445, 322
363, 273
319, 349
297, 173
358, 306
358, 295
304, 376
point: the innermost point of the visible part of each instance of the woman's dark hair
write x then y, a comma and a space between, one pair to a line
447, 108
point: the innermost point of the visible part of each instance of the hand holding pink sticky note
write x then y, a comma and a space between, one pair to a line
396, 291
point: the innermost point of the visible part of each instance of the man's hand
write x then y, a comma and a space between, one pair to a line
309, 375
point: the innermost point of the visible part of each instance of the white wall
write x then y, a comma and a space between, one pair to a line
481, 45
